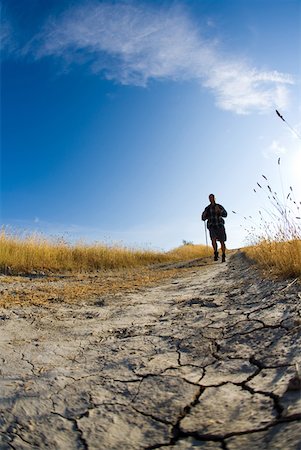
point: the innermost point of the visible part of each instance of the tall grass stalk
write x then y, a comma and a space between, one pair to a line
276, 242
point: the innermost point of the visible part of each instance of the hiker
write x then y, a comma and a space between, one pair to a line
214, 214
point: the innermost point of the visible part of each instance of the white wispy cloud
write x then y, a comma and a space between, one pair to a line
4, 35
275, 149
133, 43
7, 42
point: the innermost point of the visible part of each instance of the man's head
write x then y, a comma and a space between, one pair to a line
212, 199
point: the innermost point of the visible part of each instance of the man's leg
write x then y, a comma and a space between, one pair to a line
223, 247
214, 245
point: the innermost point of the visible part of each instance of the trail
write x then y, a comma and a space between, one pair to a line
206, 360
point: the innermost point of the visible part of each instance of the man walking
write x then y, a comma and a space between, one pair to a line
214, 214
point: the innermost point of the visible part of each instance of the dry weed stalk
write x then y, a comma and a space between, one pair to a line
276, 242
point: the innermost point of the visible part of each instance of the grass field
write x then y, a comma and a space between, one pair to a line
34, 253
37, 271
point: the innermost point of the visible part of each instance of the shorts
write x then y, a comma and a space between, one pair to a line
218, 233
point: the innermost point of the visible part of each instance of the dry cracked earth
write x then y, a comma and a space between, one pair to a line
207, 360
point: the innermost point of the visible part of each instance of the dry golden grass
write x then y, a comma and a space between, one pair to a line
278, 242
43, 272
186, 252
280, 258
36, 253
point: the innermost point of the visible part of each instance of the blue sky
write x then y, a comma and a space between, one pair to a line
118, 118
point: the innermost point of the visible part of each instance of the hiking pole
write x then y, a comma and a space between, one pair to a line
281, 117
206, 234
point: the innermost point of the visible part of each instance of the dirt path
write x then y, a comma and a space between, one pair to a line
207, 360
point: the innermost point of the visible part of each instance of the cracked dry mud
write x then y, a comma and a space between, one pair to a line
206, 360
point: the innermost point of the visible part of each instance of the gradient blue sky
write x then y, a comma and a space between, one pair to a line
118, 118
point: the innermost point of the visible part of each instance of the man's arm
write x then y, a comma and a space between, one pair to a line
205, 214
223, 212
